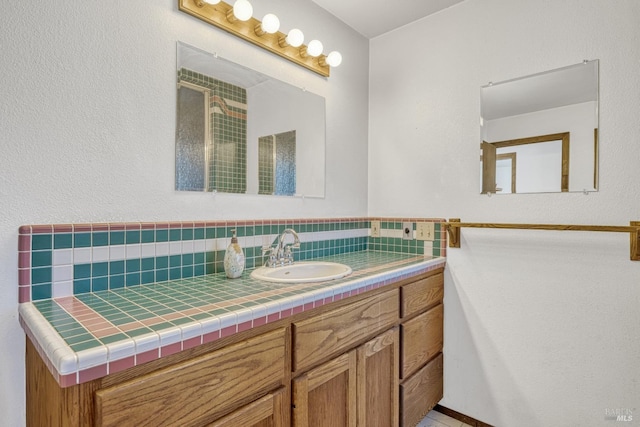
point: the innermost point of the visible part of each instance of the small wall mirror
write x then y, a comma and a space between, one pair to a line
540, 132
240, 131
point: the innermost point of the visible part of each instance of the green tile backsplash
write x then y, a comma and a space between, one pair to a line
87, 258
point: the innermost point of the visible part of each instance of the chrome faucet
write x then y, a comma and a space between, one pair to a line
281, 254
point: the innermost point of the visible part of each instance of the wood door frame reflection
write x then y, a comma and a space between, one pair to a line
563, 136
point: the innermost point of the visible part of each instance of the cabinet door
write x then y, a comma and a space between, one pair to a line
326, 395
269, 411
378, 389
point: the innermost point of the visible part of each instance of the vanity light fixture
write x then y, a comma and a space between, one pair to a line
241, 10
294, 38
270, 24
238, 20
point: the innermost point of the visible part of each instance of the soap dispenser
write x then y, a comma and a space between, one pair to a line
234, 258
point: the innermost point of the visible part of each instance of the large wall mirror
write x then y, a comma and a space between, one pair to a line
540, 132
239, 131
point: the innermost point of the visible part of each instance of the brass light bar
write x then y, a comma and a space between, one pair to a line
217, 15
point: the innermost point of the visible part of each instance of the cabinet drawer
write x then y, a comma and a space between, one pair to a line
336, 331
420, 393
419, 295
422, 338
269, 410
199, 389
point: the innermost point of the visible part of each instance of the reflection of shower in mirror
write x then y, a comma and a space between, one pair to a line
223, 111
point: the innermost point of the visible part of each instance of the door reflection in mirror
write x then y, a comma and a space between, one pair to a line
537, 164
277, 164
525, 115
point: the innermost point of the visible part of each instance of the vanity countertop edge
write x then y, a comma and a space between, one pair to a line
70, 367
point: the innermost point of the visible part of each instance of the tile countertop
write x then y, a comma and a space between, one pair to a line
91, 335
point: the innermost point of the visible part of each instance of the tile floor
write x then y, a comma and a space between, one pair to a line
436, 419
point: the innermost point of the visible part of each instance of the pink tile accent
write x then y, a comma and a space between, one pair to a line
148, 226
152, 321
260, 321
24, 259
122, 364
68, 380
337, 297
100, 333
308, 306
285, 313
273, 317
63, 228
100, 227
297, 310
147, 356
192, 342
132, 226
318, 303
175, 225
24, 294
210, 337
92, 373
162, 225
228, 331
24, 229
199, 224
170, 349
24, 242
346, 294
24, 277
328, 300
81, 227
245, 326
41, 229
116, 227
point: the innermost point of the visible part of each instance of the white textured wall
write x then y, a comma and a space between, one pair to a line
541, 328
87, 127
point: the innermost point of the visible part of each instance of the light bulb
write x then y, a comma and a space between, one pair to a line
270, 23
334, 58
242, 10
295, 38
212, 1
315, 48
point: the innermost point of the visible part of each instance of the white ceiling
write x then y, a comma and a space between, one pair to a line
374, 17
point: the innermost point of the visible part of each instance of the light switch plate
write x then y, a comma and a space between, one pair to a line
375, 228
425, 231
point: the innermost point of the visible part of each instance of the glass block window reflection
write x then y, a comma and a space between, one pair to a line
277, 164
265, 164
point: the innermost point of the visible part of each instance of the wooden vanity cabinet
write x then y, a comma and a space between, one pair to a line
422, 338
194, 391
359, 387
326, 395
371, 360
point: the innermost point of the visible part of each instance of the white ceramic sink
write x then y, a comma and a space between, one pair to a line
301, 272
